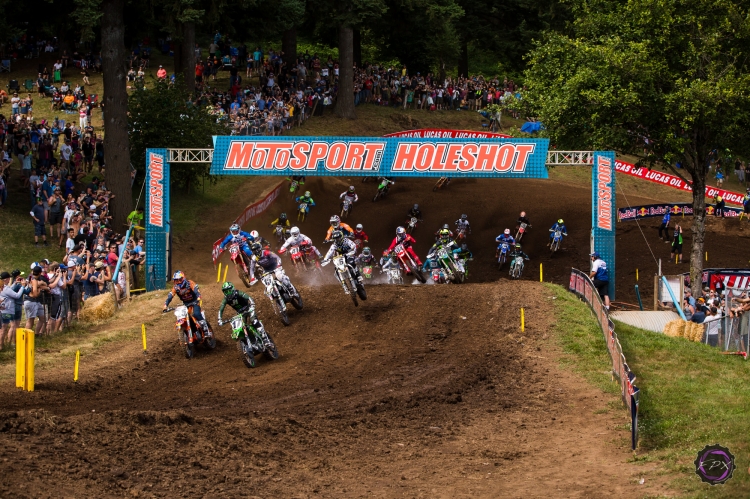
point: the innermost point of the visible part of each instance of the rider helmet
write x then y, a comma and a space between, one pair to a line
560, 221
359, 228
179, 279
464, 247
227, 288
254, 234
351, 188
416, 206
335, 221
366, 251
294, 232
234, 229
282, 217
307, 194
338, 237
444, 233
446, 226
506, 232
394, 258
464, 217
518, 246
256, 248
400, 231
523, 214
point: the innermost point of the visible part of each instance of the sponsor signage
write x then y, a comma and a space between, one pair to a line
389, 156
675, 182
659, 210
603, 212
604, 187
251, 211
440, 133
156, 189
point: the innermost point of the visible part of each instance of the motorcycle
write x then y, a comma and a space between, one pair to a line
438, 276
280, 296
348, 281
521, 230
302, 258
281, 232
411, 224
556, 240
240, 263
346, 208
460, 235
394, 275
383, 187
250, 341
366, 271
454, 269
502, 254
302, 212
408, 264
442, 182
189, 333
293, 187
516, 267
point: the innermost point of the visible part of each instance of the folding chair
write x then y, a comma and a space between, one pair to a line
5, 66
13, 86
57, 76
28, 85
93, 100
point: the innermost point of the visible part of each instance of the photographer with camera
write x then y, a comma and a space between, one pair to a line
8, 297
33, 305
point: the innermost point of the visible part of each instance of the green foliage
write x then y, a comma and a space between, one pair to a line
164, 116
87, 14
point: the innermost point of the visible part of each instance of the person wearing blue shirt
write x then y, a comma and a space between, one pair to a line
241, 237
261, 104
665, 226
559, 225
600, 277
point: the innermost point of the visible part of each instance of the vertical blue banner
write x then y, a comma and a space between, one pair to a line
157, 218
604, 211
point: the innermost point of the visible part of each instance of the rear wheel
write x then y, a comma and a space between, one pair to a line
271, 353
246, 349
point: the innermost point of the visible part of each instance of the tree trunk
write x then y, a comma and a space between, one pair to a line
699, 231
188, 56
358, 48
116, 143
463, 60
345, 98
289, 47
179, 66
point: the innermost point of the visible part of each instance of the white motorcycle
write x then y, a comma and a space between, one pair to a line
346, 276
279, 295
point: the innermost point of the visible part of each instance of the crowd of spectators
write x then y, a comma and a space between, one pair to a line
711, 306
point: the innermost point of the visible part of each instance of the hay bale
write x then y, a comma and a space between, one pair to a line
675, 328
694, 332
98, 308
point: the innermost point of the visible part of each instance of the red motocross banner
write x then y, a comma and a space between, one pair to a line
440, 133
676, 182
251, 211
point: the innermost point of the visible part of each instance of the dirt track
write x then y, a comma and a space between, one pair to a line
396, 398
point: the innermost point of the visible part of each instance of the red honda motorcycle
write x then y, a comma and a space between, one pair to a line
240, 263
408, 264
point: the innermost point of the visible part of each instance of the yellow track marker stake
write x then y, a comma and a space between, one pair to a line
218, 273
675, 259
143, 335
636, 274
75, 369
522, 322
706, 255
226, 267
540, 273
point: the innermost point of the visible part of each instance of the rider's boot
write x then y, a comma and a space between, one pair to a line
266, 340
204, 326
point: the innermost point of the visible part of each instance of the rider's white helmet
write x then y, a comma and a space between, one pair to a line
335, 220
506, 232
234, 229
359, 227
294, 231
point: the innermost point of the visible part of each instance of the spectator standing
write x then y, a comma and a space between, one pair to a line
7, 309
33, 305
665, 226
600, 276
39, 215
19, 283
57, 276
677, 244
55, 207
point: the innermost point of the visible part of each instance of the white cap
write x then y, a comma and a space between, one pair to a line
35, 264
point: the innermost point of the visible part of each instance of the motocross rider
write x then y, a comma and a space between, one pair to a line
505, 237
463, 223
305, 198
298, 239
523, 219
345, 247
337, 224
414, 212
390, 263
349, 195
439, 232
462, 253
269, 262
360, 234
245, 306
366, 258
407, 241
299, 178
517, 252
262, 240
282, 220
241, 237
190, 296
445, 240
559, 225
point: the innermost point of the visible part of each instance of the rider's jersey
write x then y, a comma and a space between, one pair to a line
516, 253
188, 294
462, 224
303, 199
342, 227
346, 248
414, 213
296, 241
407, 241
460, 254
431, 263
268, 261
241, 238
285, 223
361, 235
362, 259
240, 301
559, 227
523, 220
502, 238
665, 218
390, 264
351, 196
445, 243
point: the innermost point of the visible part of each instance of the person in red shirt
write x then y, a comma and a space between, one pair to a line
161, 73
407, 241
199, 72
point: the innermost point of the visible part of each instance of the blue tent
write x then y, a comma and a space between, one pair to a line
531, 127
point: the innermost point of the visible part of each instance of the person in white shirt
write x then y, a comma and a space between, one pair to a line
70, 243
65, 152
